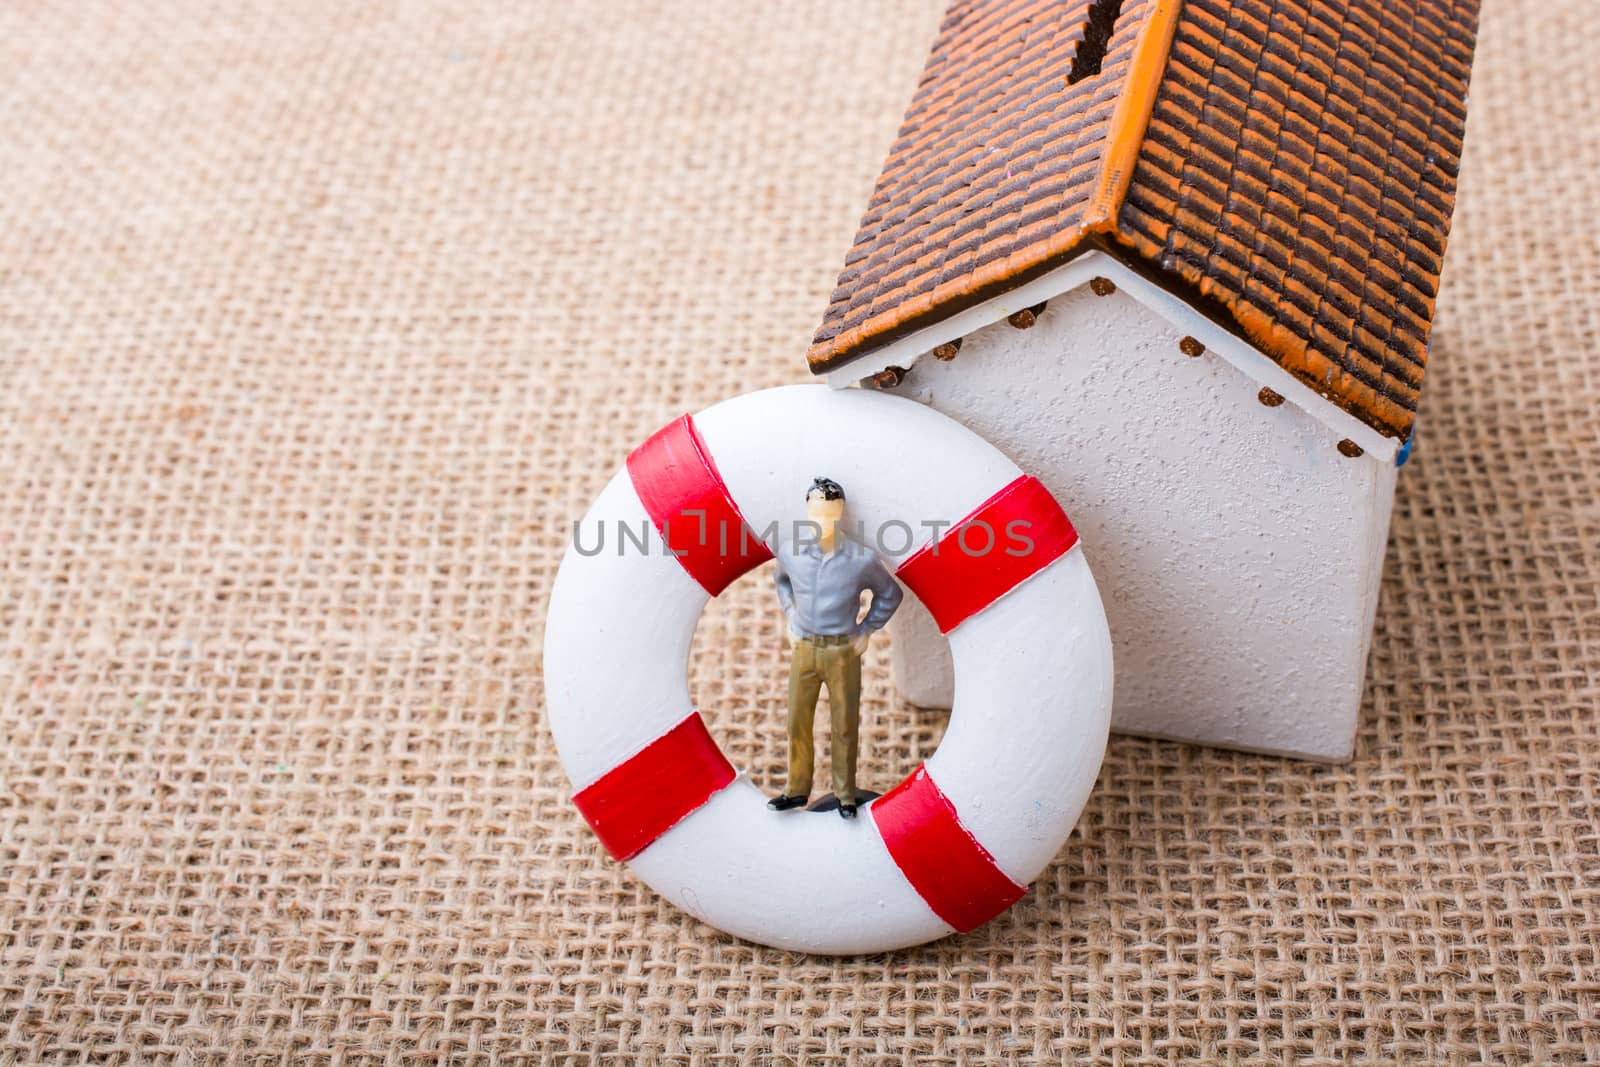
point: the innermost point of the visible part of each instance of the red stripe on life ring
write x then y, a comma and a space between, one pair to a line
1010, 537
943, 862
688, 501
650, 792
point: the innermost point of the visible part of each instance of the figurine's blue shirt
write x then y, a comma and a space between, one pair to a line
821, 591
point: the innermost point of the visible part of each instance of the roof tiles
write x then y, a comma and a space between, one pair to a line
1287, 165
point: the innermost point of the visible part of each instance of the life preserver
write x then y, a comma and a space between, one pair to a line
955, 843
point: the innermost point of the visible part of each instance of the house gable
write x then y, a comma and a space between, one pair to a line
1097, 267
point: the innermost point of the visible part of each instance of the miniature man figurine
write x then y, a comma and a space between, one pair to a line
820, 581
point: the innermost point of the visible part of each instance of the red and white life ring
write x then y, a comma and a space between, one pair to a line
955, 843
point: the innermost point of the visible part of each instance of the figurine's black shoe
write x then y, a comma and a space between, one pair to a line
784, 803
847, 811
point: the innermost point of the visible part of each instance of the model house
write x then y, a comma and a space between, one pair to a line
1180, 260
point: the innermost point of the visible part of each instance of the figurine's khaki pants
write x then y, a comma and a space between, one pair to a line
822, 661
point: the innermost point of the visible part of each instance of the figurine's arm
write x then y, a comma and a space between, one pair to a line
886, 597
785, 586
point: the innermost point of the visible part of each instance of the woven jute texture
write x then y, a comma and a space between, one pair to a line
321, 322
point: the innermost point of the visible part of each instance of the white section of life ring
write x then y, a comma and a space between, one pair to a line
1033, 678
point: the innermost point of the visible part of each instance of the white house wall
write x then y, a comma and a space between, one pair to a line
1237, 550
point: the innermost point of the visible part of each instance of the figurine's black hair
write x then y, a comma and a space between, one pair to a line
830, 489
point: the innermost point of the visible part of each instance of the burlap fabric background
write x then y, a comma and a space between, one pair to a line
319, 324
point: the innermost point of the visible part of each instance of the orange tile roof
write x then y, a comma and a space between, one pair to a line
1288, 166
